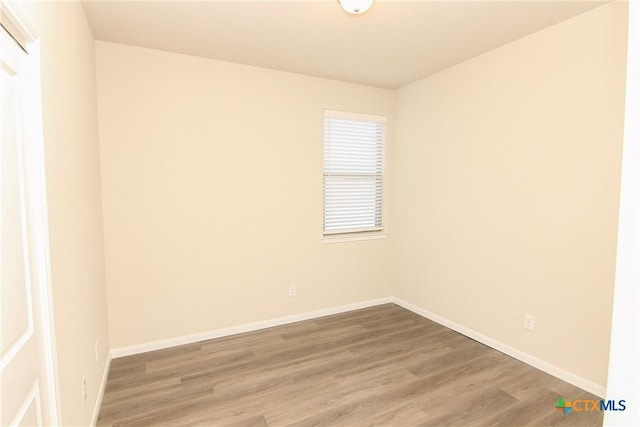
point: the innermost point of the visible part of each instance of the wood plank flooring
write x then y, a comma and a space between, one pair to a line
378, 366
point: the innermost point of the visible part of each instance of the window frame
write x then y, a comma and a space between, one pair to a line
355, 234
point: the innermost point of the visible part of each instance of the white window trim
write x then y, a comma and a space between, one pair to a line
357, 235
354, 237
347, 115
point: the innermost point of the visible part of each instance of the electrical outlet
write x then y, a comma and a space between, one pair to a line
84, 389
529, 322
293, 291
97, 351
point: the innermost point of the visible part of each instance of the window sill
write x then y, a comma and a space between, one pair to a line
340, 238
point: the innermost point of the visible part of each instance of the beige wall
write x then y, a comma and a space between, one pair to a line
73, 186
507, 184
212, 194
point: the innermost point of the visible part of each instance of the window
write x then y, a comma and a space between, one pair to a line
353, 172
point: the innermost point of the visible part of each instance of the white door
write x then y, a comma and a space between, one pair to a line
27, 382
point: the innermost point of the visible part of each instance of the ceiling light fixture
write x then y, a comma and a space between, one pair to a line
355, 7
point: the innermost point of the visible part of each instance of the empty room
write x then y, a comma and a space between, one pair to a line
320, 212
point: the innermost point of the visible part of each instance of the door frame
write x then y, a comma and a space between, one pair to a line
18, 26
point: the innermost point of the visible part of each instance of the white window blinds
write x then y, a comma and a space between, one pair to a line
353, 172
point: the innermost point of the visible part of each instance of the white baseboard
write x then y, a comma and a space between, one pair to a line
564, 375
103, 384
250, 327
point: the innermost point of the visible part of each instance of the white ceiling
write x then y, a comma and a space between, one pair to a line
395, 43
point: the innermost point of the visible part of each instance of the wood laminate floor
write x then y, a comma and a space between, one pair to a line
378, 366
